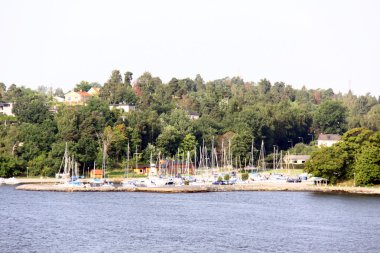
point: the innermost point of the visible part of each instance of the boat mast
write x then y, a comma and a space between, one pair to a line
127, 165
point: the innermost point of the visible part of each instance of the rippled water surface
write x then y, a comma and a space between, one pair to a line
201, 222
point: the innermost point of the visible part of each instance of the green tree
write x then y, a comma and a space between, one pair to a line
10, 166
3, 89
59, 92
330, 117
372, 119
188, 144
111, 90
13, 93
168, 141
327, 162
241, 146
128, 78
83, 86
31, 109
264, 86
367, 166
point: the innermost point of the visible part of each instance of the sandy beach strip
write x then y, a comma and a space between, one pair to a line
257, 186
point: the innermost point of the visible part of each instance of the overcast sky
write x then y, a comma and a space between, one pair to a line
319, 44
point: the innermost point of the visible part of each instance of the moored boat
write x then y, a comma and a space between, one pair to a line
11, 181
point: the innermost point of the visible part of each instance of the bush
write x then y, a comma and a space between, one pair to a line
244, 176
367, 167
220, 179
227, 177
10, 166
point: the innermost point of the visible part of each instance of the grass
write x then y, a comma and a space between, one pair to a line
291, 172
119, 173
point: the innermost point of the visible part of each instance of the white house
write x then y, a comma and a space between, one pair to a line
193, 115
123, 107
58, 99
296, 159
327, 139
6, 108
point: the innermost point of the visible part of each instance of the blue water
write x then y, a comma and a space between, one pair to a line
201, 222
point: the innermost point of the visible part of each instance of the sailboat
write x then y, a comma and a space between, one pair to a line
70, 171
128, 182
65, 174
256, 176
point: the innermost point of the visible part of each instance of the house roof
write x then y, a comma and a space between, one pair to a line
84, 94
297, 157
329, 137
193, 113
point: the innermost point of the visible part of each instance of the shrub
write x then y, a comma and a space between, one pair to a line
244, 176
227, 177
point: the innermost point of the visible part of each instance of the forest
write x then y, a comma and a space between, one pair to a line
230, 110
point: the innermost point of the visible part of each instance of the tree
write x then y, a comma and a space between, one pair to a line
199, 82
110, 88
372, 118
367, 166
83, 86
241, 146
59, 92
37, 138
264, 86
168, 141
115, 91
188, 143
31, 109
3, 89
13, 93
128, 78
10, 166
330, 117
145, 89
327, 162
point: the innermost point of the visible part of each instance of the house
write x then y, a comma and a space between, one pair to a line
6, 108
77, 97
327, 139
142, 169
58, 99
193, 115
296, 159
123, 107
94, 173
94, 91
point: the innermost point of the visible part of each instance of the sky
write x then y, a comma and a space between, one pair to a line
315, 43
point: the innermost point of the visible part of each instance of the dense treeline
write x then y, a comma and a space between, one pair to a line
229, 109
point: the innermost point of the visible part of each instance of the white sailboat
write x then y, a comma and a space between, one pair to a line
126, 181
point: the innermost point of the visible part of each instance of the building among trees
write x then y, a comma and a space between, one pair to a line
327, 139
6, 108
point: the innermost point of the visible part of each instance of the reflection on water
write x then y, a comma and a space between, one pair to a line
201, 222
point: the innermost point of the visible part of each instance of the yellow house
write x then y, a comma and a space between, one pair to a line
77, 97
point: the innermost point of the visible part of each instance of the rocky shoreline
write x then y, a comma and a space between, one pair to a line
208, 188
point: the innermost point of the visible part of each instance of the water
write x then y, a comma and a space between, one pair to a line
201, 222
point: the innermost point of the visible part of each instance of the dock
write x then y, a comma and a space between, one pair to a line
292, 187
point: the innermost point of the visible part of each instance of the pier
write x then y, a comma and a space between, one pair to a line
208, 188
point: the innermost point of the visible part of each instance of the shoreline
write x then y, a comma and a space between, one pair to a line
259, 186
